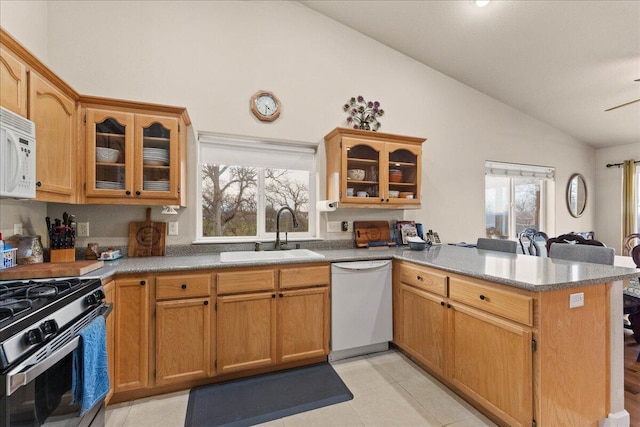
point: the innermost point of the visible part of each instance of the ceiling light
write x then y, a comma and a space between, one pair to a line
482, 3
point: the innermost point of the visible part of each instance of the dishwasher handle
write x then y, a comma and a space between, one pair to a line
361, 265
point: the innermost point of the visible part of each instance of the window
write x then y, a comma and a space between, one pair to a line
515, 198
245, 182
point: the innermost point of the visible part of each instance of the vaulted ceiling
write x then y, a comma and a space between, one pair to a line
562, 62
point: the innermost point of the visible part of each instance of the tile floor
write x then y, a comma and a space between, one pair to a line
388, 390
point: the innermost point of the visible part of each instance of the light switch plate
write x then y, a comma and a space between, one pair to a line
173, 228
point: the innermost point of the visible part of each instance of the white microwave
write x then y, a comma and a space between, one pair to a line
17, 156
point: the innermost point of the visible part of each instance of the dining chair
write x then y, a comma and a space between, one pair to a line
530, 240
497, 245
630, 241
583, 253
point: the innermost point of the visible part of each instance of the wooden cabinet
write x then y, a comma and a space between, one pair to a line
131, 359
110, 292
392, 166
446, 323
149, 154
283, 322
56, 118
520, 355
183, 328
13, 82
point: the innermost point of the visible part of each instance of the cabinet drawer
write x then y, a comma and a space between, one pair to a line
424, 278
183, 286
246, 281
298, 277
510, 305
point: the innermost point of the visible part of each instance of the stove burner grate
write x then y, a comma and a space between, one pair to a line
13, 307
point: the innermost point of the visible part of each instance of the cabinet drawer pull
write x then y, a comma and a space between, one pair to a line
419, 278
143, 282
183, 286
482, 297
206, 303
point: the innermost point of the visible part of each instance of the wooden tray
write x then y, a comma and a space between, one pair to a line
372, 234
50, 269
147, 238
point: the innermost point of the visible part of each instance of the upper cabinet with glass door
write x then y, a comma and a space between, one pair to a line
373, 169
134, 157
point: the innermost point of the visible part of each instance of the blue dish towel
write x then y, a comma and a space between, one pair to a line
90, 378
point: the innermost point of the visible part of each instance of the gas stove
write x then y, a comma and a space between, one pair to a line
34, 311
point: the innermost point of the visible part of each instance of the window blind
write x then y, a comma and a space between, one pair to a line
244, 151
518, 170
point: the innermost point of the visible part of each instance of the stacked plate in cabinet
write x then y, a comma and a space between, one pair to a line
109, 185
155, 156
155, 185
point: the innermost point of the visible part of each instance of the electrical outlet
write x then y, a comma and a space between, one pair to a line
576, 300
173, 228
333, 226
83, 229
347, 226
17, 228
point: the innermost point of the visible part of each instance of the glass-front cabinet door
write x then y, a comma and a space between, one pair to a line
157, 153
361, 166
109, 153
403, 174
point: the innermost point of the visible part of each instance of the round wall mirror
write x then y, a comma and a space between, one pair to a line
576, 195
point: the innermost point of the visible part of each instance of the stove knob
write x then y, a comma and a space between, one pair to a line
33, 336
99, 294
91, 299
49, 327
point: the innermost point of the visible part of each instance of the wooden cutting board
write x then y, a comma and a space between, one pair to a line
372, 234
147, 238
50, 269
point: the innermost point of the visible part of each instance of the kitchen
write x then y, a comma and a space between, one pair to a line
459, 122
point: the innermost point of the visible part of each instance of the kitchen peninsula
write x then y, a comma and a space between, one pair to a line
523, 338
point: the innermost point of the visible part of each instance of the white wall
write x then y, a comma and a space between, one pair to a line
608, 193
27, 22
212, 56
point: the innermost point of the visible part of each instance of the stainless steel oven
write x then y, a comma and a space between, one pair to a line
37, 354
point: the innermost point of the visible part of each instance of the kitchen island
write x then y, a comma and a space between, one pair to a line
557, 325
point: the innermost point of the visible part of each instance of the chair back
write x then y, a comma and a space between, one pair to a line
583, 253
530, 240
573, 239
630, 241
498, 245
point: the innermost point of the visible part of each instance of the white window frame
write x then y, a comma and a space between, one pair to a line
246, 144
513, 171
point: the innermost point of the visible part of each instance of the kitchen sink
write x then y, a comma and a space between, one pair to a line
251, 256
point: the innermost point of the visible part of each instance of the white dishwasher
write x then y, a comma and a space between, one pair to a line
361, 308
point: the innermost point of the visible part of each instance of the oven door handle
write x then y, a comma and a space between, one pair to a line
106, 310
16, 380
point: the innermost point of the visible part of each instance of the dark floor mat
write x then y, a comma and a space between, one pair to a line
267, 397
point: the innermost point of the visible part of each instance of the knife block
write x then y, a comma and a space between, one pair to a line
63, 255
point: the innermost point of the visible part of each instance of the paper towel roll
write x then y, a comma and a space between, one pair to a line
327, 205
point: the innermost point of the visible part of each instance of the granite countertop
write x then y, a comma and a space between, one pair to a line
521, 271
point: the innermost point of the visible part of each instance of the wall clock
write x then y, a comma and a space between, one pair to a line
265, 106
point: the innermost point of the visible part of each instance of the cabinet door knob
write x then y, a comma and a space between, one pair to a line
143, 282
387, 200
448, 305
382, 200
38, 184
138, 193
482, 297
273, 295
419, 278
281, 295
183, 286
442, 303
206, 303
128, 193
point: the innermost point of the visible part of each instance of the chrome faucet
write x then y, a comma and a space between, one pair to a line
295, 223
